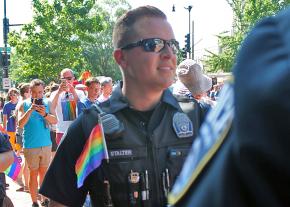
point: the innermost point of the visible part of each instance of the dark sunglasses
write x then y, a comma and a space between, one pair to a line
154, 45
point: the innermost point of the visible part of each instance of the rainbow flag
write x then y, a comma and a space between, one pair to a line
14, 169
94, 151
68, 110
84, 76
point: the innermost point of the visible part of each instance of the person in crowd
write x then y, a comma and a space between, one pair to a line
191, 75
106, 88
6, 159
93, 89
24, 89
243, 157
192, 85
150, 148
214, 92
52, 87
2, 102
9, 122
34, 118
64, 102
82, 88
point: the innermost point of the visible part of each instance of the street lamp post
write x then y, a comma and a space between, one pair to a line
190, 36
4, 55
189, 30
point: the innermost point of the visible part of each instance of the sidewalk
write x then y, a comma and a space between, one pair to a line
19, 199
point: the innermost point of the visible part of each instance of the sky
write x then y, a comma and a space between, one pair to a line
210, 18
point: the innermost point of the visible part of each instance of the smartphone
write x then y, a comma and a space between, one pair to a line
38, 101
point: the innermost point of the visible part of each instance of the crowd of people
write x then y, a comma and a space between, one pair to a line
35, 118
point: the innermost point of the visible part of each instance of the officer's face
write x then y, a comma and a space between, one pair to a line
145, 69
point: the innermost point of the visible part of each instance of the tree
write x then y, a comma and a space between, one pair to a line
246, 14
99, 54
58, 37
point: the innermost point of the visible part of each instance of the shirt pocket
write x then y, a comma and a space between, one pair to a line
121, 162
176, 156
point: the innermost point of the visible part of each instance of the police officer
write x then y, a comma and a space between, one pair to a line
146, 158
245, 161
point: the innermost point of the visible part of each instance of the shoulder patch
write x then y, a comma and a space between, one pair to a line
182, 125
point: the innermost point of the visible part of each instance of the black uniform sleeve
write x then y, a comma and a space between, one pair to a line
263, 112
60, 182
5, 145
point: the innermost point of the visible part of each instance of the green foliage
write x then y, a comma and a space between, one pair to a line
181, 55
224, 61
246, 14
65, 34
99, 54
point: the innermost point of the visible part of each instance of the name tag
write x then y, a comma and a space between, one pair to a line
121, 153
133, 153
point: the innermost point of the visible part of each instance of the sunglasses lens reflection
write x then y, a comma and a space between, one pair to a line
156, 45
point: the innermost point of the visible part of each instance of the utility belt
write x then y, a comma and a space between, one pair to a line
138, 192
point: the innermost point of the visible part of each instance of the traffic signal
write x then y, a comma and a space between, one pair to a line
5, 59
183, 53
8, 59
187, 43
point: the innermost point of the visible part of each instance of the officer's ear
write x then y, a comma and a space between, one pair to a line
120, 58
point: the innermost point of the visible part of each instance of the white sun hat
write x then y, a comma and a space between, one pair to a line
190, 74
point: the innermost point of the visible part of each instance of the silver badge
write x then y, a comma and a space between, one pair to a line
182, 125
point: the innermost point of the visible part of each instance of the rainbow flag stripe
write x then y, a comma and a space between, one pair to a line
94, 151
14, 169
85, 75
68, 110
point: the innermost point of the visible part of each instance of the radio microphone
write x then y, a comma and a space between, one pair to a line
113, 128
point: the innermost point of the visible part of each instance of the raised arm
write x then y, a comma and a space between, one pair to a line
55, 97
23, 117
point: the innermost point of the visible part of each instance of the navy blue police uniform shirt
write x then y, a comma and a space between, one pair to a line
250, 166
143, 146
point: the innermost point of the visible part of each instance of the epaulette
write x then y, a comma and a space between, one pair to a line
191, 108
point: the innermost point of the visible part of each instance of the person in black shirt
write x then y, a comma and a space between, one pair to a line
146, 157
